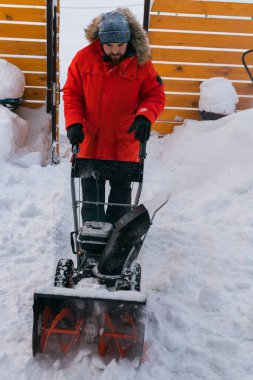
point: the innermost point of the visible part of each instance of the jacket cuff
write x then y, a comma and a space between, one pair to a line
147, 113
72, 121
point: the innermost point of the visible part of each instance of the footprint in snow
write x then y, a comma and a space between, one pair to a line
29, 211
209, 299
5, 204
216, 205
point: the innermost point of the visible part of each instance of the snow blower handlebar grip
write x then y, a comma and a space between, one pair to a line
75, 149
142, 152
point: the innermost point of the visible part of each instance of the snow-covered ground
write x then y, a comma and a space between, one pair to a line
197, 259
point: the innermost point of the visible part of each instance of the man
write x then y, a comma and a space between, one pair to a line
111, 97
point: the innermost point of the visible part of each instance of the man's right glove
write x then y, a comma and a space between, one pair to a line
75, 134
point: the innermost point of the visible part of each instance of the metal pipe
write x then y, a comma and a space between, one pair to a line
74, 203
146, 15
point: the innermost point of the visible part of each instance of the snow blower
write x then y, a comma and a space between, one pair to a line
99, 301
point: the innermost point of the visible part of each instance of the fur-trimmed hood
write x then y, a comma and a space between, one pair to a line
139, 39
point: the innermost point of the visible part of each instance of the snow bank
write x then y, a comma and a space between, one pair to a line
218, 95
196, 260
13, 132
205, 150
12, 80
37, 147
25, 136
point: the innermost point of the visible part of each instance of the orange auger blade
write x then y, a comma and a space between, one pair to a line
53, 327
115, 332
119, 324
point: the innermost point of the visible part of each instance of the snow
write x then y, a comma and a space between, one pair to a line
13, 131
218, 95
197, 258
25, 137
12, 80
89, 288
197, 261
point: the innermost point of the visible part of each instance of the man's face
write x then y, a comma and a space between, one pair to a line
115, 51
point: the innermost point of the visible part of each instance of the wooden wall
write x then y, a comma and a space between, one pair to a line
193, 40
23, 42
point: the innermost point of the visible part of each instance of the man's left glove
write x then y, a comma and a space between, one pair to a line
142, 128
75, 134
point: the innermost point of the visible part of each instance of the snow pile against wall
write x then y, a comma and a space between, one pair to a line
218, 95
13, 132
25, 136
12, 80
37, 147
199, 152
210, 150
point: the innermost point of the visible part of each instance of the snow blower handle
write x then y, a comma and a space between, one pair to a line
75, 149
142, 151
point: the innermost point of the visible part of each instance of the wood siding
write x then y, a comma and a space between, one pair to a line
193, 40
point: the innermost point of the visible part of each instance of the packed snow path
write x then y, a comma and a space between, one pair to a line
197, 259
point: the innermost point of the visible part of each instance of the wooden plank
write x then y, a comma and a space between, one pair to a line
203, 7
201, 72
171, 85
200, 24
244, 104
199, 56
33, 93
36, 80
28, 64
12, 30
175, 114
23, 48
32, 105
200, 40
185, 101
192, 101
244, 88
22, 14
25, 2
164, 127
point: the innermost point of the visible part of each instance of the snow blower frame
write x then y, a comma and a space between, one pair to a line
111, 313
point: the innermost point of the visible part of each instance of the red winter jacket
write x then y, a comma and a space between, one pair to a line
105, 99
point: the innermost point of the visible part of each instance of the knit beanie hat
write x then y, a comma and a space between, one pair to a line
114, 28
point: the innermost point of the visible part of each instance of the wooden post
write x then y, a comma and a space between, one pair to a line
146, 14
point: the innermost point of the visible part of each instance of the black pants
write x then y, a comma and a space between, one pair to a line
94, 190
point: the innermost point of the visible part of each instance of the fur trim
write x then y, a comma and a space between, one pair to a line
139, 39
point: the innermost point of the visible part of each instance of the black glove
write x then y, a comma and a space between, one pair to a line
75, 133
142, 127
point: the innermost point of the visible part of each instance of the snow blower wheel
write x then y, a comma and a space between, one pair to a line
138, 278
64, 273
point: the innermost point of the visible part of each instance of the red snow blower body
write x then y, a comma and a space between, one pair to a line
99, 301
